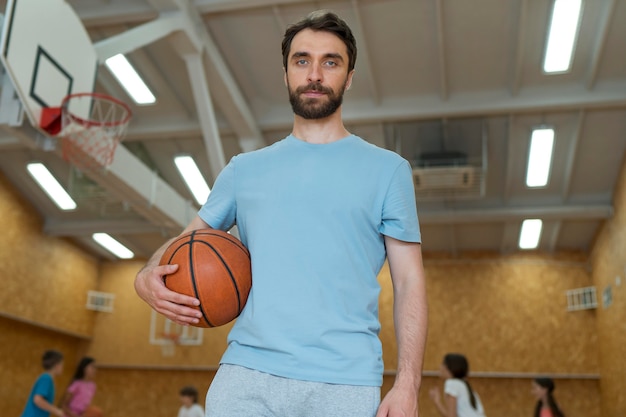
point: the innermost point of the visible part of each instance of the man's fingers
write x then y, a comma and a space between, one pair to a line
179, 313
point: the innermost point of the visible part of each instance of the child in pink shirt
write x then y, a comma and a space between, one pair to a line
81, 390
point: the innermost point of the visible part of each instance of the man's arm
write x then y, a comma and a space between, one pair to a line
150, 287
411, 319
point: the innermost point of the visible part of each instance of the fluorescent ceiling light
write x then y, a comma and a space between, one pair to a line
530, 234
562, 35
130, 80
192, 176
112, 245
51, 186
539, 157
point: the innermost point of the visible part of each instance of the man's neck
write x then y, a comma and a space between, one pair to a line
320, 131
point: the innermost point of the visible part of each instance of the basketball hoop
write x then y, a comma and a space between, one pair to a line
91, 127
170, 341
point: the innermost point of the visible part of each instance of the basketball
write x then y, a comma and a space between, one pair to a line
92, 411
214, 267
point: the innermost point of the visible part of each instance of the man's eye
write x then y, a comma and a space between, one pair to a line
301, 61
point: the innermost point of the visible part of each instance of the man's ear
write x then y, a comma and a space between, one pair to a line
349, 80
285, 76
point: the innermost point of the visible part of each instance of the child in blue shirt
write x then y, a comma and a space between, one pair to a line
41, 400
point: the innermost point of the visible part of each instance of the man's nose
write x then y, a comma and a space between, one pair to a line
315, 74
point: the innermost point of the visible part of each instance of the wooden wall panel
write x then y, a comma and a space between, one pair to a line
45, 279
609, 262
123, 336
154, 393
503, 397
506, 314
20, 351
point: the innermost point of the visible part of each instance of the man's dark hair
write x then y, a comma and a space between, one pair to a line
322, 21
51, 358
189, 391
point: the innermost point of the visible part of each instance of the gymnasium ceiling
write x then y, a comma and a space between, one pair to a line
432, 76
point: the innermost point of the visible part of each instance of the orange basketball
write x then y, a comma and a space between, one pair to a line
214, 267
92, 411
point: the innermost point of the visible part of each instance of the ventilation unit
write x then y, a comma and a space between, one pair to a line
444, 178
100, 301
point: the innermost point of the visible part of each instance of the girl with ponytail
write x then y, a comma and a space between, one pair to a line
546, 405
460, 399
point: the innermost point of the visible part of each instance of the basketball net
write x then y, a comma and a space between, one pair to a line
168, 346
90, 126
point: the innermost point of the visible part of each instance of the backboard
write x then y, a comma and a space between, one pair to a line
47, 53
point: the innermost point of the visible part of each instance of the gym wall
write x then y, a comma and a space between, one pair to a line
608, 261
506, 313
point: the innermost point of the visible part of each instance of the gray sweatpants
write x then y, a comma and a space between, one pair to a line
241, 392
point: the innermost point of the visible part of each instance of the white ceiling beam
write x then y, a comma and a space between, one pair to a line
280, 22
129, 179
604, 25
364, 56
511, 156
105, 14
508, 214
88, 227
233, 104
519, 48
215, 6
570, 158
541, 99
441, 49
510, 236
163, 129
554, 233
206, 113
128, 12
140, 36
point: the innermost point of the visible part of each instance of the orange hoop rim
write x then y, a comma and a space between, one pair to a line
91, 123
171, 337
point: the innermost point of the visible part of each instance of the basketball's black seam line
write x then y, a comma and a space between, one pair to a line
230, 273
240, 246
169, 261
193, 278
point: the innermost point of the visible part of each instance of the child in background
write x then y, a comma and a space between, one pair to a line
190, 407
460, 399
77, 400
41, 400
542, 389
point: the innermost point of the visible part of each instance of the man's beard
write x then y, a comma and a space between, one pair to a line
315, 108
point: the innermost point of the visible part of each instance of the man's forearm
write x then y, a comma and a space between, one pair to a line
411, 321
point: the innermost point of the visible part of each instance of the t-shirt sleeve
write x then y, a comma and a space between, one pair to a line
197, 411
73, 388
399, 216
452, 387
220, 209
44, 386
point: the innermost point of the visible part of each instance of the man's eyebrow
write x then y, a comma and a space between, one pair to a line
333, 55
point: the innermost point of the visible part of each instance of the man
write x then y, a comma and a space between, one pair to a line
319, 212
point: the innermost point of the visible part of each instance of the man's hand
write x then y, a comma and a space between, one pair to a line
150, 286
398, 403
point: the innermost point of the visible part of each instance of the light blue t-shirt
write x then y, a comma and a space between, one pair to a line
44, 386
313, 217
